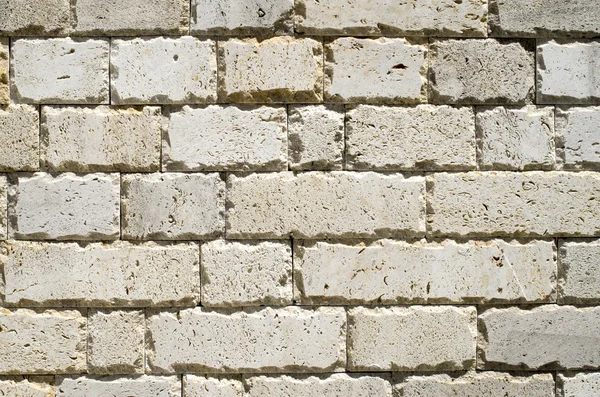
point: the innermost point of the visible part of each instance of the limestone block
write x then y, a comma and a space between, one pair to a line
201, 386
19, 134
578, 271
34, 18
4, 66
155, 386
3, 206
577, 137
577, 385
22, 387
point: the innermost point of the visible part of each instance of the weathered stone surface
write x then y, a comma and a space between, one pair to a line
481, 71
36, 18
316, 205
513, 204
3, 206
19, 134
476, 384
416, 338
279, 69
290, 339
538, 18
383, 17
4, 66
22, 387
316, 137
577, 138
87, 139
242, 17
578, 271
62, 71
48, 342
333, 385
64, 207
567, 72
577, 385
516, 139
163, 70
548, 337
425, 137
98, 274
155, 386
376, 70
116, 342
172, 206
200, 386
246, 273
392, 272
130, 17
231, 139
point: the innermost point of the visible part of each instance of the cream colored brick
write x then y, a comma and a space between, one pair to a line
376, 70
34, 18
120, 274
578, 271
254, 341
92, 139
4, 65
200, 386
317, 205
23, 387
155, 386
3, 206
19, 134
584, 384
577, 138
279, 69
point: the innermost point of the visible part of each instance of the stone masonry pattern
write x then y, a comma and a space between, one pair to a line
299, 198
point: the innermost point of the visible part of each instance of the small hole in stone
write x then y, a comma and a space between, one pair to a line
261, 13
175, 58
400, 66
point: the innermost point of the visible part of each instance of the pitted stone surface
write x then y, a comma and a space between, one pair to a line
3, 206
578, 271
4, 71
578, 141
19, 134
201, 386
155, 386
34, 18
23, 387
577, 385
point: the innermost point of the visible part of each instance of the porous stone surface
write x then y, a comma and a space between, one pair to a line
155, 386
60, 70
416, 338
116, 342
567, 72
317, 205
384, 17
380, 70
4, 66
34, 18
23, 387
279, 69
392, 272
577, 138
231, 139
333, 385
19, 133
88, 139
513, 204
250, 341
187, 72
481, 72
577, 384
242, 17
315, 137
579, 274
45, 342
64, 207
172, 206
548, 337
120, 274
516, 139
241, 274
424, 137
3, 206
207, 386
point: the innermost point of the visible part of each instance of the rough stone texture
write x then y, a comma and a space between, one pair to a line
384, 17
242, 17
577, 385
163, 70
376, 70
548, 337
577, 138
130, 17
476, 384
48, 342
155, 386
3, 206
567, 72
316, 137
4, 72
61, 71
35, 18
120, 274
266, 340
516, 139
21, 387
279, 69
513, 204
172, 206
230, 139
246, 273
64, 207
200, 386
538, 18
317, 205
481, 71
333, 385
87, 139
578, 271
416, 338
424, 137
116, 342
19, 134
392, 272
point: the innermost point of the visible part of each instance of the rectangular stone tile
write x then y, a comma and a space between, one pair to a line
577, 138
19, 134
36, 386
577, 384
120, 274
4, 71
325, 205
155, 386
392, 272
425, 137
211, 386
290, 339
35, 18
578, 271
